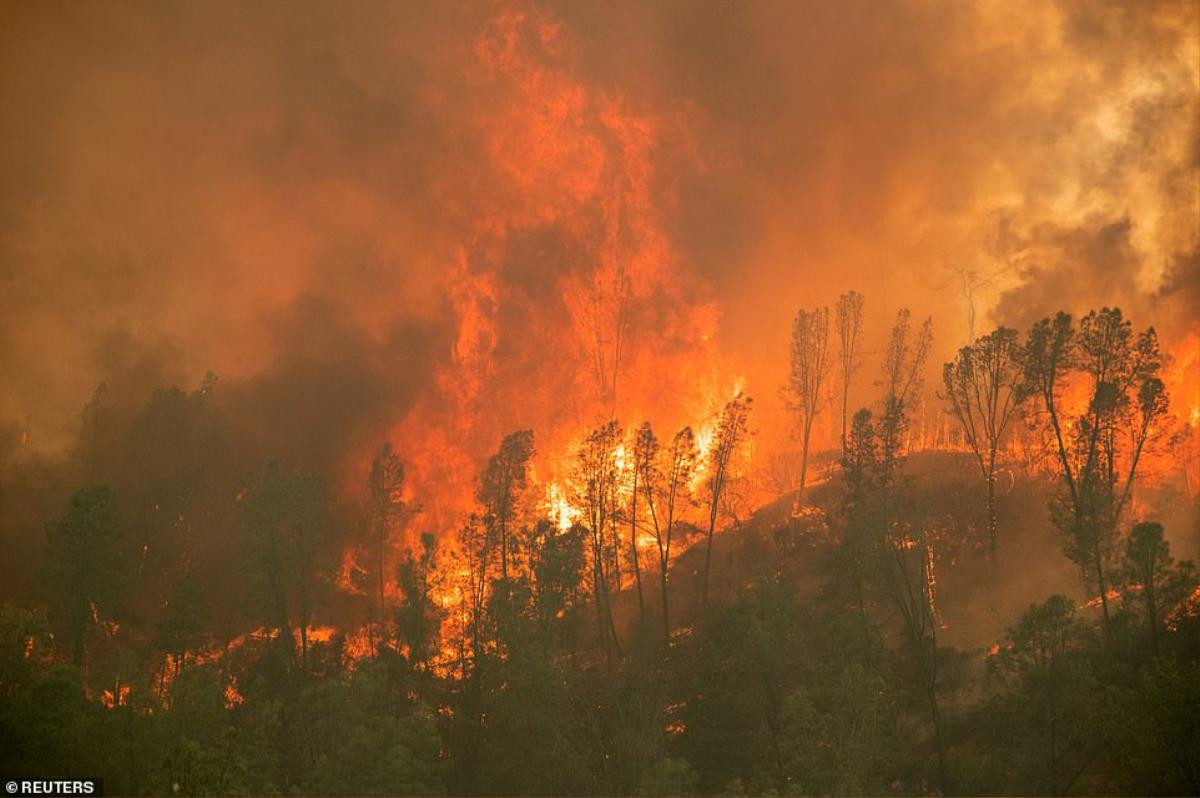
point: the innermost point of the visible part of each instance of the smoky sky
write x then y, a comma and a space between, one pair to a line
314, 200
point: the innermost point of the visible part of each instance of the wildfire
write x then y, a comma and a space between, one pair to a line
1188, 608
233, 696
558, 508
357, 646
119, 698
350, 572
1110, 595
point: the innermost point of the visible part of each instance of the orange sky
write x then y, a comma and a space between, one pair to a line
412, 221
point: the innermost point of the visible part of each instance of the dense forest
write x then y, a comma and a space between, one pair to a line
983, 587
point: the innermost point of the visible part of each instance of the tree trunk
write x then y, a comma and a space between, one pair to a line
666, 619
804, 459
1151, 608
937, 733
503, 550
1100, 577
633, 552
1053, 746
712, 524
381, 545
598, 593
845, 408
991, 507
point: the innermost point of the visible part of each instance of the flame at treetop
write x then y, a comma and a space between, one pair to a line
567, 294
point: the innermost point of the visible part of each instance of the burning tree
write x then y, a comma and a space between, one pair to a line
598, 477
607, 319
501, 485
809, 365
282, 527
558, 558
385, 508
902, 364
645, 449
419, 616
475, 548
982, 388
84, 562
1153, 580
849, 330
1098, 453
731, 433
183, 627
667, 488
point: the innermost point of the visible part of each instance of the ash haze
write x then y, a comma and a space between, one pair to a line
262, 192
437, 225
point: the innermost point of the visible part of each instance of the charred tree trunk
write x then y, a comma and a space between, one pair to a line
712, 524
1099, 559
666, 615
633, 552
804, 458
991, 506
503, 551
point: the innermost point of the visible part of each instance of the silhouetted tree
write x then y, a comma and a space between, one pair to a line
172, 481
597, 477
418, 615
385, 508
558, 559
283, 528
732, 429
606, 311
1100, 452
667, 488
849, 330
1153, 581
903, 361
183, 627
983, 387
645, 449
806, 376
887, 537
92, 431
84, 562
501, 485
475, 543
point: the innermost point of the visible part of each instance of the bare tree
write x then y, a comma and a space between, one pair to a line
500, 487
970, 280
806, 377
608, 319
667, 489
732, 429
902, 365
849, 329
91, 431
982, 388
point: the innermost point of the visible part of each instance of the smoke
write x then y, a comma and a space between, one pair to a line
436, 225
